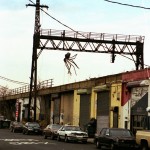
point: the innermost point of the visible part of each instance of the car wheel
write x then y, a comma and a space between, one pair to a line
58, 138
52, 136
144, 146
66, 138
45, 137
112, 146
13, 131
23, 132
97, 144
27, 132
84, 142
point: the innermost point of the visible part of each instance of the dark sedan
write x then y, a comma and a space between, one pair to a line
51, 131
113, 138
32, 128
16, 126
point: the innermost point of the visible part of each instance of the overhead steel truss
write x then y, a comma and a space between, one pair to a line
94, 42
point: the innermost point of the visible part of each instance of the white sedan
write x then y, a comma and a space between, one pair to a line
72, 133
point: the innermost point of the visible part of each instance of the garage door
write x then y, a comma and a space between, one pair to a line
85, 105
56, 117
102, 110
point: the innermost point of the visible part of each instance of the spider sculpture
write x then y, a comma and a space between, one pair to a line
69, 62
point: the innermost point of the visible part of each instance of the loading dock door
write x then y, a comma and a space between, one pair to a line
102, 110
56, 116
115, 117
85, 104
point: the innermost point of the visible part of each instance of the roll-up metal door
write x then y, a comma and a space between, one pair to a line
102, 110
115, 117
85, 105
56, 116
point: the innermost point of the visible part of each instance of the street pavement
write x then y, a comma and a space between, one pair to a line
19, 141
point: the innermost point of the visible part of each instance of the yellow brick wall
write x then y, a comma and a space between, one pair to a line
76, 108
115, 100
93, 104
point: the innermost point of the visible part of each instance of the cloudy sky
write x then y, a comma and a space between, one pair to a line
17, 28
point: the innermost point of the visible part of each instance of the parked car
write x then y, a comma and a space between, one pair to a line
113, 138
32, 128
51, 131
72, 133
16, 126
5, 124
143, 139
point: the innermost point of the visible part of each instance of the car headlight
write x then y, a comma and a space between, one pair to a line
30, 129
72, 134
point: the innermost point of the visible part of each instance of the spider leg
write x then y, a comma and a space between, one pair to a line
74, 69
74, 63
68, 67
73, 57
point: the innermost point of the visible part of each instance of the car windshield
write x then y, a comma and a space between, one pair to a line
56, 127
124, 133
72, 128
33, 125
17, 123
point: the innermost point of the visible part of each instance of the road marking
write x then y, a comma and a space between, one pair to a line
24, 141
9, 140
27, 143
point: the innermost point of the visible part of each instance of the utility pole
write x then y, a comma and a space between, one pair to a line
36, 45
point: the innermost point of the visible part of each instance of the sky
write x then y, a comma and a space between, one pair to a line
17, 28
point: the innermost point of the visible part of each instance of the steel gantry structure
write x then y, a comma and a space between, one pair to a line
63, 40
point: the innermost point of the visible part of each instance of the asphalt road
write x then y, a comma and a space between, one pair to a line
19, 141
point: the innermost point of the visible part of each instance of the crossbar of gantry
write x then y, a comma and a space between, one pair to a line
90, 41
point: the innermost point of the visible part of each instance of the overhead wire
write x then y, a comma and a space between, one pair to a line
81, 33
136, 6
58, 20
13, 81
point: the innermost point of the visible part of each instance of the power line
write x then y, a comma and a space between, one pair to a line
13, 81
58, 20
126, 4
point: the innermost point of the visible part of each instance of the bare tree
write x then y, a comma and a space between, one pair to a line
3, 91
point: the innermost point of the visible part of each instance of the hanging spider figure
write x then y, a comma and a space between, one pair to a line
69, 62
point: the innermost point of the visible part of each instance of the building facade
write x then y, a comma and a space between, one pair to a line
119, 100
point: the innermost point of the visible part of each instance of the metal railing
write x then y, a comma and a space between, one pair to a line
92, 35
24, 89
